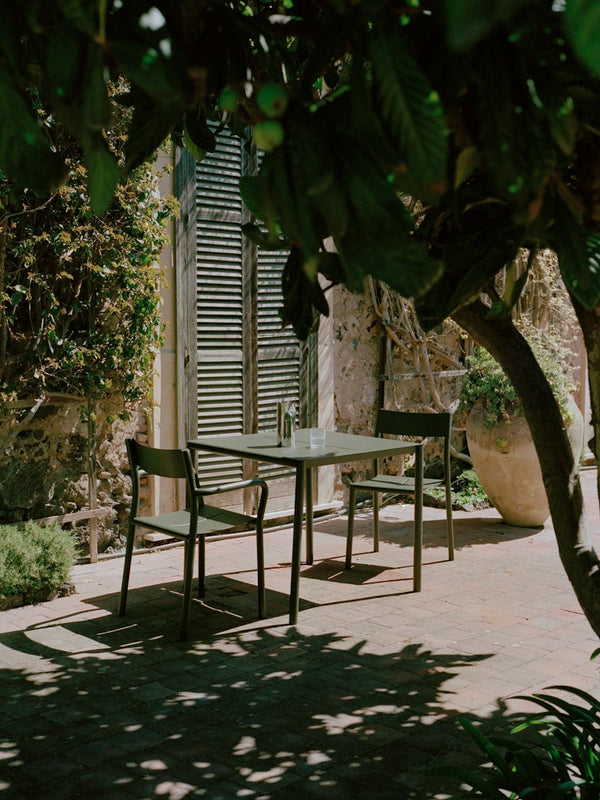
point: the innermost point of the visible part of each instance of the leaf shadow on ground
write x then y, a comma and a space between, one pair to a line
97, 706
470, 530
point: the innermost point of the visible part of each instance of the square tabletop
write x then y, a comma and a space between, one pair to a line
338, 448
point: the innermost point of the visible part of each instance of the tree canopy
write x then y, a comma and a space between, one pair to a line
487, 114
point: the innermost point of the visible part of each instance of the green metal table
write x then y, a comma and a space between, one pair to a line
340, 448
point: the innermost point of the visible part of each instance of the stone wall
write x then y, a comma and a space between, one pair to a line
43, 467
359, 340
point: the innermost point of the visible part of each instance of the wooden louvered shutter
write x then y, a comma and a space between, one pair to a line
219, 303
245, 361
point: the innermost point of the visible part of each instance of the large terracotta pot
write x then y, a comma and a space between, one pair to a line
507, 465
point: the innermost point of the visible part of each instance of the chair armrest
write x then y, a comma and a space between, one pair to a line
230, 487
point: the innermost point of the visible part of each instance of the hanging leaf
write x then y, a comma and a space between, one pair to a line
11, 42
301, 296
96, 106
259, 237
515, 143
153, 73
150, 126
471, 260
578, 257
82, 13
103, 173
64, 59
249, 191
411, 110
377, 240
331, 267
469, 21
582, 18
197, 131
25, 154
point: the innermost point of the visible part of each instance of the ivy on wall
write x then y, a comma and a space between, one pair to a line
79, 293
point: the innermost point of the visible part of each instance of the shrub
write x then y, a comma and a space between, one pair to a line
467, 492
35, 561
559, 759
486, 381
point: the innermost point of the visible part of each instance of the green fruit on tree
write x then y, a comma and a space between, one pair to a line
268, 135
272, 99
228, 99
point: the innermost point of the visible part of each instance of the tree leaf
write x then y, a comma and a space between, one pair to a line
64, 57
153, 73
82, 13
96, 106
25, 153
330, 265
377, 240
150, 126
517, 151
411, 110
582, 20
11, 41
578, 257
198, 132
261, 238
103, 172
469, 21
249, 191
300, 296
470, 261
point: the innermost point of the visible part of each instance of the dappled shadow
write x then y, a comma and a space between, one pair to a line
97, 706
470, 529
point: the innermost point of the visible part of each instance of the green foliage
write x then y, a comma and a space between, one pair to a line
496, 137
467, 492
34, 560
485, 380
560, 758
80, 303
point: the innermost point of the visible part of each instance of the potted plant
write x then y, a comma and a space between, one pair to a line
498, 437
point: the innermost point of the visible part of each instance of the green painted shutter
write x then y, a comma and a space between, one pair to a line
245, 361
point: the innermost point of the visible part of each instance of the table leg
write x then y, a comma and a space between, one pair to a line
309, 517
418, 533
297, 543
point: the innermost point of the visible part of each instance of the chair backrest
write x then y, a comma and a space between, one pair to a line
413, 423
156, 461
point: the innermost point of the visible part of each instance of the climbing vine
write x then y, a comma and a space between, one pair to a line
79, 293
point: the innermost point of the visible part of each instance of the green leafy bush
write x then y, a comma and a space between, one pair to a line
35, 561
467, 492
485, 380
560, 758
80, 305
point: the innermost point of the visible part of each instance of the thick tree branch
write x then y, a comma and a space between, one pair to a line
560, 473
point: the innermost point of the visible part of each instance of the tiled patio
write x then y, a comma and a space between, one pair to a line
359, 699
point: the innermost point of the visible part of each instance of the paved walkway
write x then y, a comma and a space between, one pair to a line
359, 699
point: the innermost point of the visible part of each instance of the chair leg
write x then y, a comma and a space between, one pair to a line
449, 525
188, 575
375, 522
309, 517
260, 569
126, 569
201, 566
350, 530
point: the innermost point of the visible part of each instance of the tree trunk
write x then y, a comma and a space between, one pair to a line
560, 473
589, 319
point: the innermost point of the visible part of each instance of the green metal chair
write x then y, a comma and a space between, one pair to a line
404, 424
190, 524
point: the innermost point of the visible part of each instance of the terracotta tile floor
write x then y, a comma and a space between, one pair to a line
359, 698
